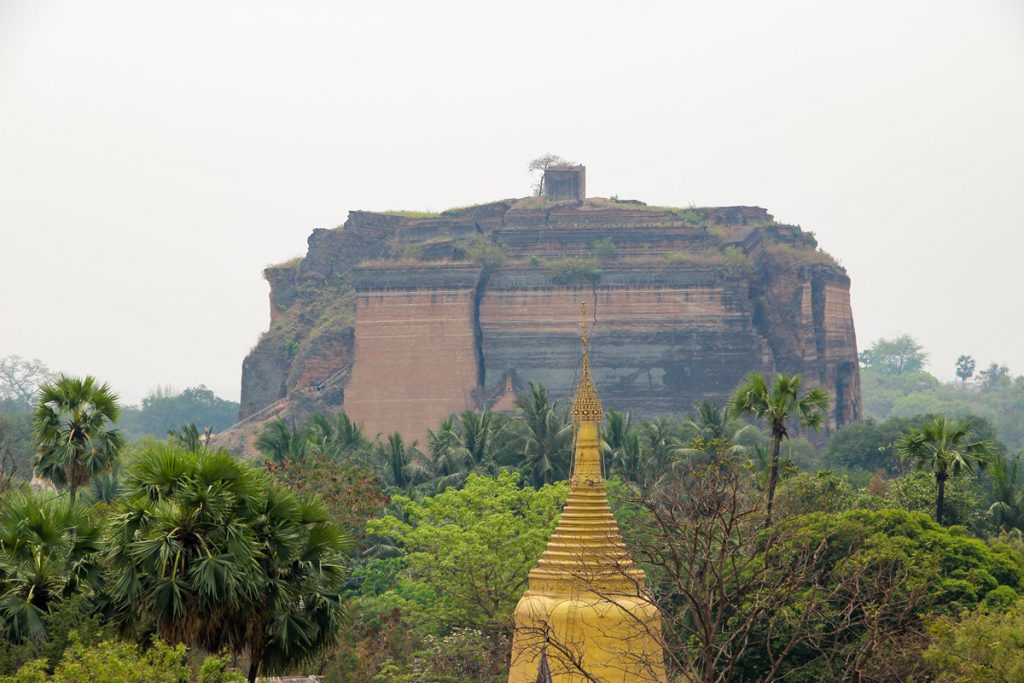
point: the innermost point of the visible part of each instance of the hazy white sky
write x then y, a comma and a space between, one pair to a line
155, 156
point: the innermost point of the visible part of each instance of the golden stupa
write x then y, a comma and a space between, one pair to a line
586, 608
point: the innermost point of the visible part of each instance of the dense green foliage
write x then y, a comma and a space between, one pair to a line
181, 550
457, 560
165, 409
109, 662
996, 395
986, 646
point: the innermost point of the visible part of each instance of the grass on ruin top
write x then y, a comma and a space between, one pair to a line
410, 214
290, 263
413, 261
807, 256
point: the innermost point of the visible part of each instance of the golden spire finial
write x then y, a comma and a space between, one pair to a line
586, 406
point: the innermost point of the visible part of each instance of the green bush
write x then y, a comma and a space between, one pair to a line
574, 271
111, 661
981, 647
604, 249
483, 252
737, 266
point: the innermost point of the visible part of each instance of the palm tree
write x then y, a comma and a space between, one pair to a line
777, 405
210, 552
945, 447
402, 466
630, 460
74, 433
49, 550
280, 441
338, 437
188, 437
468, 442
659, 439
1007, 496
546, 436
617, 428
710, 421
628, 454
482, 436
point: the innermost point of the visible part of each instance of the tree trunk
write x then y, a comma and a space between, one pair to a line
773, 475
254, 669
940, 498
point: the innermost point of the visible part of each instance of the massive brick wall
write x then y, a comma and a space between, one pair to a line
415, 355
657, 349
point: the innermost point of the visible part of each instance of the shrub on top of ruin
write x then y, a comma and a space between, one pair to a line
481, 251
786, 253
737, 265
399, 249
574, 271
690, 216
604, 249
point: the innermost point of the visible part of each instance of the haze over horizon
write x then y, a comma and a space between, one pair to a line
155, 157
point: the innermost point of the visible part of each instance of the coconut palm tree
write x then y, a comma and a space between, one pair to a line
659, 439
617, 428
1007, 496
545, 436
281, 441
710, 421
402, 466
338, 436
74, 431
485, 438
468, 442
777, 405
210, 552
945, 447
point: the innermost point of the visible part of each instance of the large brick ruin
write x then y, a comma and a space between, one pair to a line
402, 321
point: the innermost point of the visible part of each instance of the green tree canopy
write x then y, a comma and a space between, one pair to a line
984, 646
165, 409
899, 567
896, 356
465, 552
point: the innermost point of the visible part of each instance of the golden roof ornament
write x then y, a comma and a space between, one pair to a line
586, 405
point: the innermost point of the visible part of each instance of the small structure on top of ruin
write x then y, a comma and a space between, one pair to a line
565, 182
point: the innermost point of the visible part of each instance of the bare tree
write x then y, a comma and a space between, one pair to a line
741, 602
538, 165
20, 379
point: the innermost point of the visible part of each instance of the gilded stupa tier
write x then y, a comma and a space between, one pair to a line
586, 607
